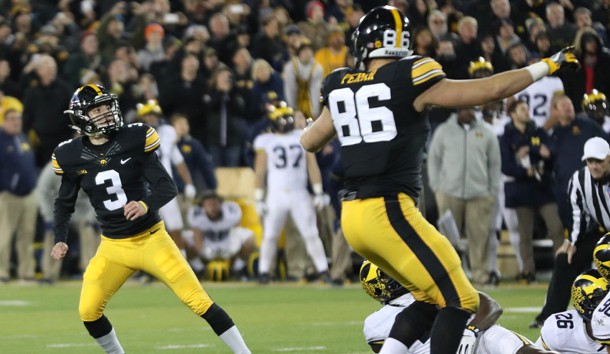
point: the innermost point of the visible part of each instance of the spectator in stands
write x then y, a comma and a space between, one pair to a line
197, 159
43, 104
437, 23
121, 79
185, 93
210, 63
84, 67
518, 56
467, 48
268, 45
302, 81
335, 53
265, 80
153, 49
529, 186
464, 173
221, 37
424, 42
505, 35
242, 74
8, 103
561, 32
18, 202
534, 26
9, 86
83, 220
111, 30
595, 60
314, 27
224, 124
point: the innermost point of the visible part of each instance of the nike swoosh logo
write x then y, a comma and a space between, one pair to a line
152, 232
125, 161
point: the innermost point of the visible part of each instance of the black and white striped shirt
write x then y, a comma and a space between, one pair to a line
590, 202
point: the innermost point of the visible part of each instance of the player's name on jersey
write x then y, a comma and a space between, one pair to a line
358, 77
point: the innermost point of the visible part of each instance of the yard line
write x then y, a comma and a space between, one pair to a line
294, 349
178, 346
523, 309
70, 345
15, 303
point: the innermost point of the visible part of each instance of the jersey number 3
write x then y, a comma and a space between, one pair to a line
356, 121
115, 190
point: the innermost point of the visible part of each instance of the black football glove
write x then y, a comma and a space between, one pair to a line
563, 60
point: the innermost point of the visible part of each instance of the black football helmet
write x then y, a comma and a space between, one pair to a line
281, 117
588, 290
601, 256
381, 33
595, 105
88, 97
378, 284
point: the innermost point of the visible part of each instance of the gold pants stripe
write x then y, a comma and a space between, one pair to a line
392, 233
152, 251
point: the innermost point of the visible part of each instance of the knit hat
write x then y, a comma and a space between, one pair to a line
153, 27
311, 6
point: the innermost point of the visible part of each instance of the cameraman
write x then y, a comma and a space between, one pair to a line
529, 183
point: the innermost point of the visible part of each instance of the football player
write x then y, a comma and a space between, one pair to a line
481, 336
285, 165
376, 110
570, 331
126, 183
600, 320
595, 105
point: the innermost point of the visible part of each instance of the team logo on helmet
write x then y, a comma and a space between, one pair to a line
379, 285
588, 290
601, 256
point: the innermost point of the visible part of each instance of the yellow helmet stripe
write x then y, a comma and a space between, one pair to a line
398, 22
97, 89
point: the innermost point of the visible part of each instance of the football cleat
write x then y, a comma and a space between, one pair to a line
378, 284
588, 290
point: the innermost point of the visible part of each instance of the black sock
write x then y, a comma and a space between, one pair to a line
99, 327
218, 319
413, 322
447, 330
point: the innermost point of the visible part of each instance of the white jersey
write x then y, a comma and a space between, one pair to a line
215, 230
495, 340
565, 332
600, 321
286, 161
168, 152
538, 96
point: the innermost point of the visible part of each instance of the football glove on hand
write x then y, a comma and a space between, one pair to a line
189, 191
320, 201
469, 340
563, 60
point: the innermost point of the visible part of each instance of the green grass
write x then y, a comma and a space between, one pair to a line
279, 318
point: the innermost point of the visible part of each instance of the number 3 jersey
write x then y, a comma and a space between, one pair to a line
381, 134
565, 332
286, 161
124, 169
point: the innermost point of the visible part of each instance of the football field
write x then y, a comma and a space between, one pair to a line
280, 318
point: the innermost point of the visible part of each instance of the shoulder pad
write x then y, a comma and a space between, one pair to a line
62, 150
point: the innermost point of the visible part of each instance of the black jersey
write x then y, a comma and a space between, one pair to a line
382, 135
124, 169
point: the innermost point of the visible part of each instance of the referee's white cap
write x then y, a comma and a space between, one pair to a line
596, 148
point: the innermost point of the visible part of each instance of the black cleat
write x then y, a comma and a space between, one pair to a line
264, 279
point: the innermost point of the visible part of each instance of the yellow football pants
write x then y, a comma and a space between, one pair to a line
152, 251
392, 233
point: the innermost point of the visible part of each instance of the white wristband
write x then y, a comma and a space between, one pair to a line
538, 70
259, 194
317, 188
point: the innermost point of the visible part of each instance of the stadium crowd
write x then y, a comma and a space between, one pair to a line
212, 68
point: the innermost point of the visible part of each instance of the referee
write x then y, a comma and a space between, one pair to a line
590, 210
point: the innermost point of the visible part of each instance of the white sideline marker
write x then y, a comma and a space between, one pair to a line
14, 303
523, 309
69, 345
294, 349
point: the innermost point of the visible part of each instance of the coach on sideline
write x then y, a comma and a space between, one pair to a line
590, 210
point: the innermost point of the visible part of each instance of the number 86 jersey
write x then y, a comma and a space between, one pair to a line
566, 332
382, 135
